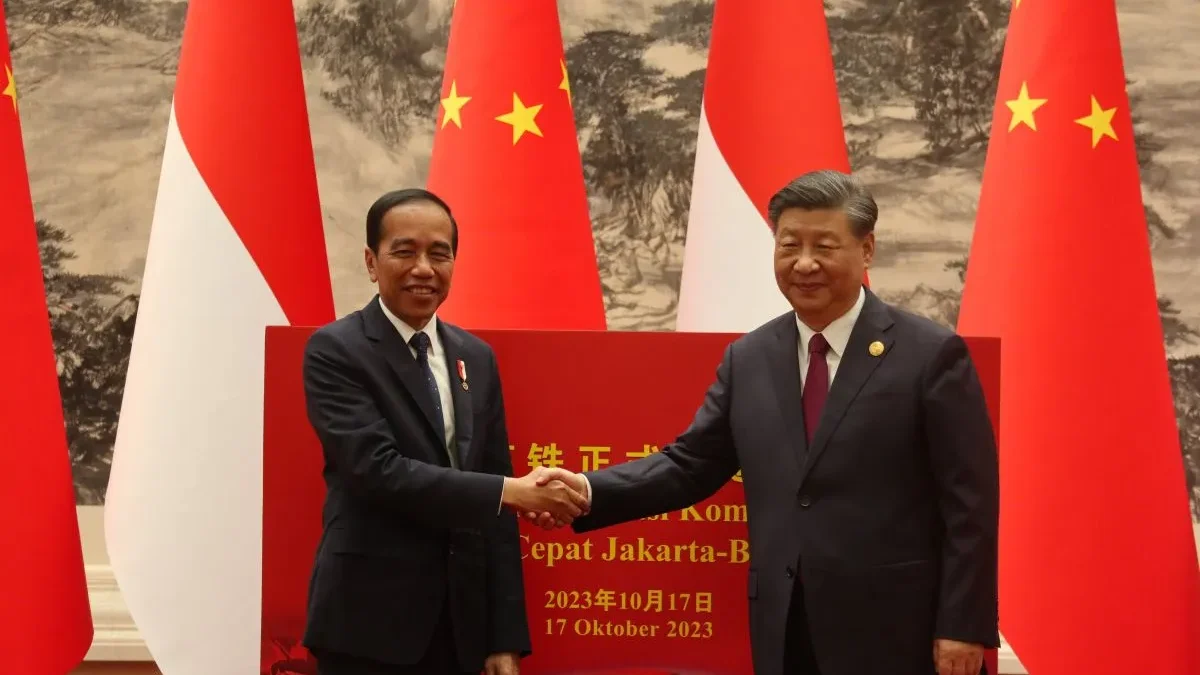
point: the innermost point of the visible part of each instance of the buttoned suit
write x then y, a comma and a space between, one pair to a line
414, 551
888, 518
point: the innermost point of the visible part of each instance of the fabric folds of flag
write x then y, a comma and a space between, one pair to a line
236, 245
1098, 569
45, 616
506, 160
770, 113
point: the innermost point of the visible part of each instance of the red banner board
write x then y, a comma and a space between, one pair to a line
666, 592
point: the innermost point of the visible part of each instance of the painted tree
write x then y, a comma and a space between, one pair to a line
91, 320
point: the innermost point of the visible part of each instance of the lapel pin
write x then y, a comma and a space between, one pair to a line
462, 374
876, 348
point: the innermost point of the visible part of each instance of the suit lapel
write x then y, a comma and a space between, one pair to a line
398, 356
855, 368
463, 412
784, 363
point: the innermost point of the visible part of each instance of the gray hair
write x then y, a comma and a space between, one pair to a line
827, 189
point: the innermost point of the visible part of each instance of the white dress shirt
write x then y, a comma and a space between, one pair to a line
437, 363
837, 334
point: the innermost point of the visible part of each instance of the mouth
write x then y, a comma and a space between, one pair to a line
421, 290
809, 287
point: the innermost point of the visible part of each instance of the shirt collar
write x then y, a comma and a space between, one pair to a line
837, 333
407, 331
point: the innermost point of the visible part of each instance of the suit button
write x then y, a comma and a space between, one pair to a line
790, 573
805, 501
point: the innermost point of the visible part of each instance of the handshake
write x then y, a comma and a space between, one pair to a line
546, 497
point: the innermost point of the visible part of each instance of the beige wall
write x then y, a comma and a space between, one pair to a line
91, 530
928, 206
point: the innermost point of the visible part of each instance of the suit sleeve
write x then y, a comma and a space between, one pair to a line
690, 470
963, 456
363, 452
508, 626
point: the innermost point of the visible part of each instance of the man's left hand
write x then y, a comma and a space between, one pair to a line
502, 664
957, 658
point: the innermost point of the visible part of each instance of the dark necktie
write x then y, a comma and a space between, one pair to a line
421, 343
816, 384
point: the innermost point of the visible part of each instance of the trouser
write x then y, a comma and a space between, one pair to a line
798, 657
440, 657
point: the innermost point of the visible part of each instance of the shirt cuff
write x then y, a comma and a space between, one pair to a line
587, 488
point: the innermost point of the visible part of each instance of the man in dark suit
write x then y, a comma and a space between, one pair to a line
418, 569
868, 462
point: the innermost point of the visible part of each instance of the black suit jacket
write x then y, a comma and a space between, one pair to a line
402, 529
889, 519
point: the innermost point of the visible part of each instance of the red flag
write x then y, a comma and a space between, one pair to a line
1098, 569
506, 159
236, 245
45, 617
749, 145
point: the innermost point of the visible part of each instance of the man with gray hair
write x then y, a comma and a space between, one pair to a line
868, 461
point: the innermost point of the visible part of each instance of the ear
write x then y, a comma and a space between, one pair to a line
868, 249
370, 260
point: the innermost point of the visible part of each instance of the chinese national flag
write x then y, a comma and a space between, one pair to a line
45, 617
506, 160
1098, 570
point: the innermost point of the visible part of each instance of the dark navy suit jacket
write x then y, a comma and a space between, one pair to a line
889, 518
403, 531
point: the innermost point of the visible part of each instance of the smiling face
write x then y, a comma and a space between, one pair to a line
414, 261
820, 263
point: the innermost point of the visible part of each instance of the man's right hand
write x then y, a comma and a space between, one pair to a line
535, 493
548, 476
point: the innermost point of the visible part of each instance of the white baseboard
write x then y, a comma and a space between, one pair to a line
117, 638
1009, 664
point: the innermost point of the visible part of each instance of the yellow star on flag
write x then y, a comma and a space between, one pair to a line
1022, 108
1100, 122
453, 105
10, 90
565, 85
521, 119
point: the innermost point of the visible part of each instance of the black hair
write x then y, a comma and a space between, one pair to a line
827, 189
396, 198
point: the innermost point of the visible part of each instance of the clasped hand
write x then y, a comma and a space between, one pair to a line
547, 497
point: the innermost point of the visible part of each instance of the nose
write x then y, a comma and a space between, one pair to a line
805, 264
423, 267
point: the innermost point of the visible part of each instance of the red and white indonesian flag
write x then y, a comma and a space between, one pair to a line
236, 245
770, 113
